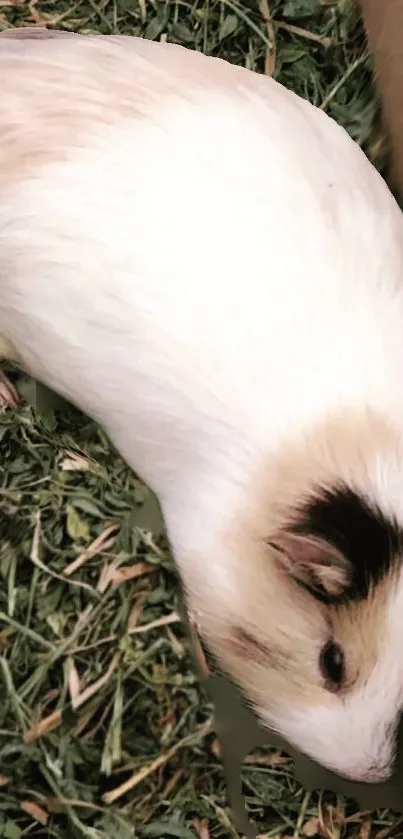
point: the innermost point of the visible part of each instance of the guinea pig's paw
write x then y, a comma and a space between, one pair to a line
8, 393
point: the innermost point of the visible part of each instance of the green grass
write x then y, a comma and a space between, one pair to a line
97, 685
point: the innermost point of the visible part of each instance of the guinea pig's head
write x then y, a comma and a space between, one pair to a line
308, 619
344, 665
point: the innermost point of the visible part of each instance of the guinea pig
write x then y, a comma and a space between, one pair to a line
384, 26
210, 268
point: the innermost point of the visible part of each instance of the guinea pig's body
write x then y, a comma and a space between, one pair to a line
211, 269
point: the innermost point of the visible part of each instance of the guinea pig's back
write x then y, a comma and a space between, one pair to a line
170, 212
60, 87
67, 96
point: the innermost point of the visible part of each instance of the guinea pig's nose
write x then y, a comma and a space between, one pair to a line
374, 774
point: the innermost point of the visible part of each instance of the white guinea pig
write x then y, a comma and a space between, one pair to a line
210, 268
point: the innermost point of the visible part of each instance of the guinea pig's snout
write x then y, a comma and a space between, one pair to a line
373, 774
364, 771
361, 749
377, 764
367, 770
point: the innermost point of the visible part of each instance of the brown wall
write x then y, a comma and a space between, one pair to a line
383, 21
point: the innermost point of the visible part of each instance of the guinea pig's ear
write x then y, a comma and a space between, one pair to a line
313, 562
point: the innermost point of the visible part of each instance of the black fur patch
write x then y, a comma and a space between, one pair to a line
367, 538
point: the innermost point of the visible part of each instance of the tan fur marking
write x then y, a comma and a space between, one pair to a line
60, 91
344, 447
359, 627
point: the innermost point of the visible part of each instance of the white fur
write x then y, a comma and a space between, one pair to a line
209, 282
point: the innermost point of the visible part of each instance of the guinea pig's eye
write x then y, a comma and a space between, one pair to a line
331, 663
